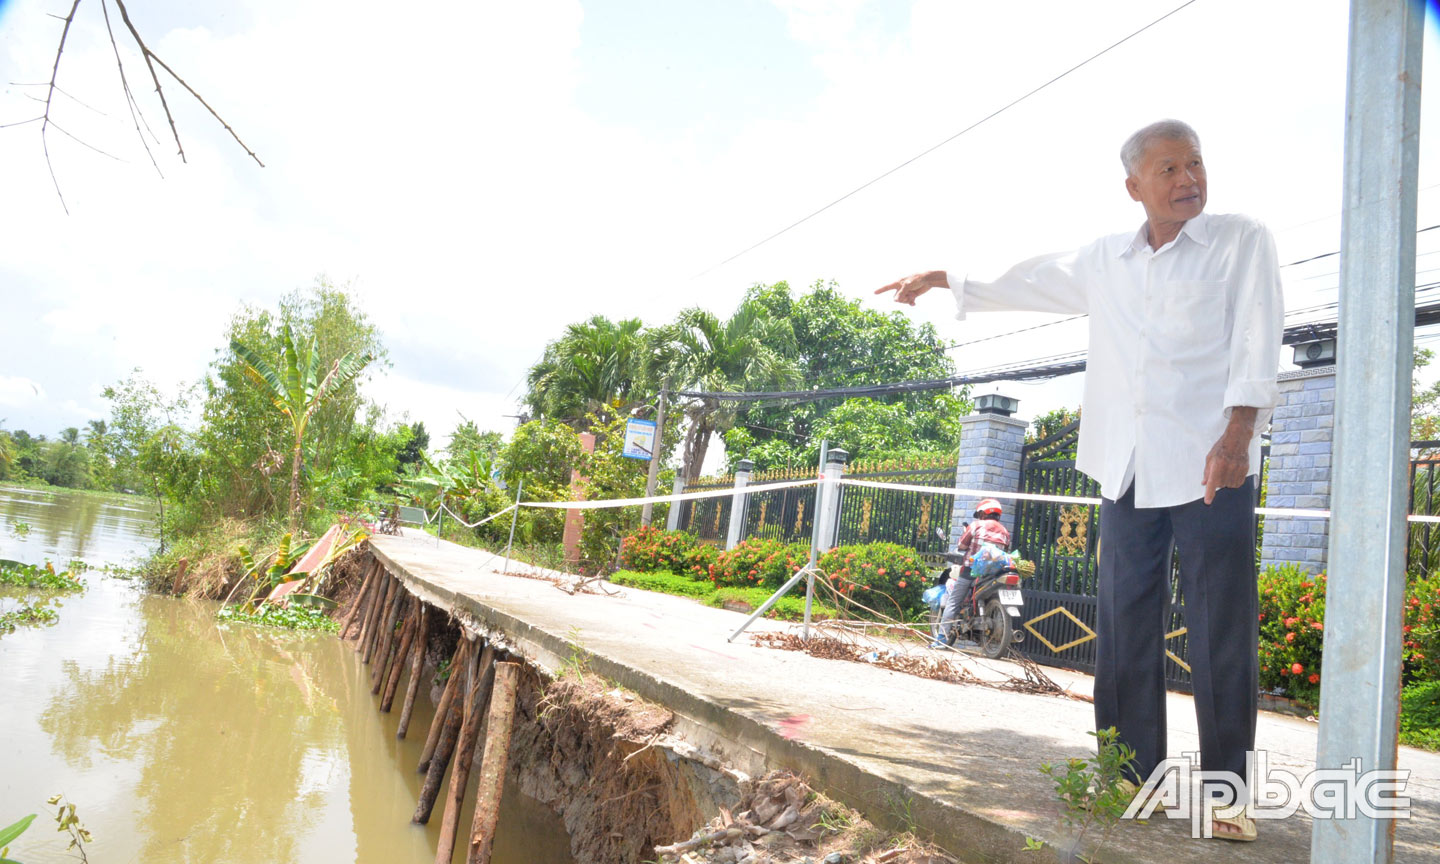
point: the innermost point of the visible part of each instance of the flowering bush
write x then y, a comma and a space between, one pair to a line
649, 549
1292, 622
1292, 631
759, 563
883, 576
696, 562
1422, 629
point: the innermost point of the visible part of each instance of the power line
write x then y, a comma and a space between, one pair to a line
997, 112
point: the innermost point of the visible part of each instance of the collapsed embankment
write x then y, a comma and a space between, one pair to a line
622, 773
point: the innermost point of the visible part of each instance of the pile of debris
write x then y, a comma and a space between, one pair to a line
780, 820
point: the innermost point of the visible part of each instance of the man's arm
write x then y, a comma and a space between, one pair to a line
1251, 391
1049, 283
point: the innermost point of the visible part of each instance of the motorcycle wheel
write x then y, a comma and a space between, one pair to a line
995, 641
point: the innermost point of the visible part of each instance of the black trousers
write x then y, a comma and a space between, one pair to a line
1216, 545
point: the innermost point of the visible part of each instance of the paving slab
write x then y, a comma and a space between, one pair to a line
959, 762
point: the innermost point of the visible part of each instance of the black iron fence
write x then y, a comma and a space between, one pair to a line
896, 516
1422, 551
707, 518
786, 515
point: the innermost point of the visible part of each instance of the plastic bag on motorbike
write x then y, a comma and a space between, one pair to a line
991, 559
934, 596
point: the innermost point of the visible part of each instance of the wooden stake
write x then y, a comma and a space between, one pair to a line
417, 668
491, 783
444, 749
180, 575
377, 590
447, 698
360, 598
387, 641
406, 636
475, 700
376, 615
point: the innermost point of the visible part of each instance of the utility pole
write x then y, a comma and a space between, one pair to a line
1359, 696
649, 509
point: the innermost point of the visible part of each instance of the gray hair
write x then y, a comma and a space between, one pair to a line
1165, 130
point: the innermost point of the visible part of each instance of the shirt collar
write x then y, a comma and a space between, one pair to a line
1197, 229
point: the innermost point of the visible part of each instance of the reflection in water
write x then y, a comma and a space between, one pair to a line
68, 525
180, 740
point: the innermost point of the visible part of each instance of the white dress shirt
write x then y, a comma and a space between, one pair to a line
1178, 337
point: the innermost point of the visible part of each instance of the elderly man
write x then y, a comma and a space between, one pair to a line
1185, 327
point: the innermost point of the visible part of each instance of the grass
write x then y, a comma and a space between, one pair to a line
1420, 715
791, 607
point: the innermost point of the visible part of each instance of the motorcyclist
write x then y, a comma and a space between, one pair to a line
986, 528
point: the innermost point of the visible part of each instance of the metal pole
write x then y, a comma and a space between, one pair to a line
648, 510
815, 538
1359, 696
765, 607
440, 520
514, 515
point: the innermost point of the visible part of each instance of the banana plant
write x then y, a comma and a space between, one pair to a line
299, 392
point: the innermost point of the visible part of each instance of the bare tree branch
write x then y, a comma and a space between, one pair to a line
49, 96
57, 128
129, 97
22, 122
202, 101
145, 52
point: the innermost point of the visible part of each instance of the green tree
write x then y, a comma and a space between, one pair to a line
300, 393
67, 464
415, 445
752, 349
597, 366
97, 442
7, 454
243, 439
839, 343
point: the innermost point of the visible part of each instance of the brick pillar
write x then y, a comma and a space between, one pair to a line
990, 447
575, 519
1301, 434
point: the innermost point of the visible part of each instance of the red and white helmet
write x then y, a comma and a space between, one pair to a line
988, 508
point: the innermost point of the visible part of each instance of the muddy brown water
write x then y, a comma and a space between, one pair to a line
180, 740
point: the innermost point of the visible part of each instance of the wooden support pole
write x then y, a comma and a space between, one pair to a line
417, 668
475, 700
360, 598
444, 748
376, 591
412, 621
496, 761
447, 698
387, 641
376, 615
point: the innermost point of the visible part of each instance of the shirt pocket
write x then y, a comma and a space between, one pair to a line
1196, 311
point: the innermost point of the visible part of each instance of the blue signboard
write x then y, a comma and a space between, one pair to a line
639, 438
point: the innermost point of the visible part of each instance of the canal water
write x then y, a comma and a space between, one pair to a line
180, 740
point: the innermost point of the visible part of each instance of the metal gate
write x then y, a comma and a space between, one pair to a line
1063, 541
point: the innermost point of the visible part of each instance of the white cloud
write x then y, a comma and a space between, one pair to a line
20, 391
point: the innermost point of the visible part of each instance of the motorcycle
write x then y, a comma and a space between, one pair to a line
991, 612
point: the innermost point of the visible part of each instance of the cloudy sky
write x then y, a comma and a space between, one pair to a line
482, 173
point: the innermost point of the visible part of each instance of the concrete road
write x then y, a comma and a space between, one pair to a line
959, 762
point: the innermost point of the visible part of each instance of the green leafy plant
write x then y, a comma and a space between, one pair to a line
1292, 631
31, 576
19, 527
886, 577
649, 549
1420, 715
286, 617
1092, 791
791, 607
8, 835
300, 392
662, 581
70, 823
759, 563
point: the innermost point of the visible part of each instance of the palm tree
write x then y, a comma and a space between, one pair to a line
300, 393
596, 366
752, 350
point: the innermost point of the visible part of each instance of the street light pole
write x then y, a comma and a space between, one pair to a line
649, 509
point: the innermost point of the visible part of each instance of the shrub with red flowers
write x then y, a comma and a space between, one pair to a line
697, 562
1421, 629
757, 562
885, 577
650, 548
1292, 622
